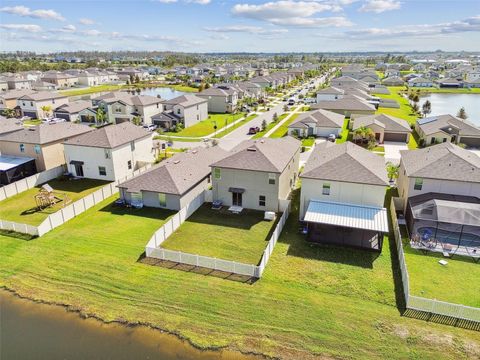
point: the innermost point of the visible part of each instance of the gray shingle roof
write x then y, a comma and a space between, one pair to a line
42, 95
74, 106
321, 118
137, 100
9, 125
110, 136
178, 174
389, 123
266, 155
46, 133
434, 124
444, 161
186, 100
350, 104
345, 162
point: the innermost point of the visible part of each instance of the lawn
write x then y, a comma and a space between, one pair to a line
345, 132
205, 127
223, 235
282, 130
22, 207
91, 90
183, 88
312, 302
457, 282
236, 126
404, 112
308, 141
32, 122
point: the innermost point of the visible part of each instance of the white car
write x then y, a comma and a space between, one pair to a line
53, 120
150, 127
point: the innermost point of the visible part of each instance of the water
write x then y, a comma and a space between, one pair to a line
37, 331
165, 93
451, 103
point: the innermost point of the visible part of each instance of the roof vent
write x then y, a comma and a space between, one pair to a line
262, 141
251, 149
176, 161
194, 151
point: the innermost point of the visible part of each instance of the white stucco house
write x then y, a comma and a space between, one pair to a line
330, 94
33, 104
221, 99
187, 109
319, 123
109, 153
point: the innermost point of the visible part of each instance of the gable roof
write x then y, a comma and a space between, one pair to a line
352, 104
110, 136
389, 123
186, 100
9, 125
444, 161
321, 118
46, 133
177, 174
345, 162
41, 95
216, 91
331, 90
433, 124
136, 100
74, 106
266, 155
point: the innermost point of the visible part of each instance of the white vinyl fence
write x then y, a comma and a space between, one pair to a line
70, 211
423, 304
154, 249
30, 182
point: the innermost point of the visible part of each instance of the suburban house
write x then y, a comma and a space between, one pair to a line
3, 84
43, 142
342, 196
220, 99
393, 81
343, 81
420, 82
450, 83
444, 168
18, 83
330, 94
109, 153
175, 182
386, 127
60, 79
347, 106
120, 106
447, 128
186, 109
9, 125
76, 111
35, 104
257, 174
320, 123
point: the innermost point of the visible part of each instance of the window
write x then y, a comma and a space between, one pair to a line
132, 145
129, 164
178, 111
108, 155
444, 139
217, 174
162, 199
271, 178
37, 149
31, 103
22, 148
102, 171
262, 200
418, 184
326, 189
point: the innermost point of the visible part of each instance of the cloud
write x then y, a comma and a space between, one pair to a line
380, 6
245, 29
338, 21
24, 11
85, 21
22, 27
200, 2
68, 28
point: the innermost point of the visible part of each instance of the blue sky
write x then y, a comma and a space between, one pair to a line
240, 25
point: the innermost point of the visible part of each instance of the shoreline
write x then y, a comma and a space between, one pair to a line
82, 315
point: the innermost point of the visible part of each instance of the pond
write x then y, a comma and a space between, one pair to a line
164, 92
30, 330
451, 103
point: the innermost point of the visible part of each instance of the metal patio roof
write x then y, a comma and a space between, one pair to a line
347, 215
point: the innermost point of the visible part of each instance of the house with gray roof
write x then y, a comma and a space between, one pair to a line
330, 94
448, 128
175, 182
34, 104
444, 168
385, 127
318, 123
9, 125
111, 152
342, 196
77, 111
221, 99
43, 142
188, 109
347, 106
257, 174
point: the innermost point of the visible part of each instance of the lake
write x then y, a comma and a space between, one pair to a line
451, 103
164, 92
29, 330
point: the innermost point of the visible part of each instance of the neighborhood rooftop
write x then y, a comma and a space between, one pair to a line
321, 118
46, 133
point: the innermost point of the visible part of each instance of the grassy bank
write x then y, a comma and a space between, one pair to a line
92, 90
404, 112
312, 302
282, 130
205, 127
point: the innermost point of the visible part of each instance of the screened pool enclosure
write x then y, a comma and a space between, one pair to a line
445, 223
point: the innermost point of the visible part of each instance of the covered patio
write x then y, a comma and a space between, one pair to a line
346, 224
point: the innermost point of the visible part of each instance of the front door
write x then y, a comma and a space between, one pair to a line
236, 199
79, 170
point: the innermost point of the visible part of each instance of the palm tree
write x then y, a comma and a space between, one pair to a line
47, 109
359, 134
392, 171
9, 113
100, 115
426, 108
462, 114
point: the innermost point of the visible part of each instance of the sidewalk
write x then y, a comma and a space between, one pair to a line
272, 130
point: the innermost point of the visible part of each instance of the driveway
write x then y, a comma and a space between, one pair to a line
392, 151
475, 151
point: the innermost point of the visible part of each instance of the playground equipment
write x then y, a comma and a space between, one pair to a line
47, 197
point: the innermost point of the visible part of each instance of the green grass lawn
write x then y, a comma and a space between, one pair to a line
308, 141
404, 112
269, 127
173, 139
183, 88
236, 126
313, 302
345, 132
457, 282
282, 130
32, 122
379, 149
22, 207
91, 90
205, 127
432, 90
223, 235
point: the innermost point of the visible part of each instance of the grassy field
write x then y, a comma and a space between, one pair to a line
345, 132
236, 126
432, 90
313, 302
456, 282
183, 88
32, 122
205, 127
308, 141
404, 112
223, 235
92, 90
282, 130
22, 207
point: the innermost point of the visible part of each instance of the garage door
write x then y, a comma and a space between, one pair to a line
395, 137
324, 132
63, 116
470, 142
31, 114
121, 120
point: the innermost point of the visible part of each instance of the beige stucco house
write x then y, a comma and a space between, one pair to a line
220, 99
257, 174
188, 109
109, 153
385, 127
319, 123
33, 104
347, 105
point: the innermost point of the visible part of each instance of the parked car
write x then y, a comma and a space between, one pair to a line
332, 137
53, 120
291, 102
24, 118
150, 127
253, 130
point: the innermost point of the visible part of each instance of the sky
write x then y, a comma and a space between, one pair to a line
240, 25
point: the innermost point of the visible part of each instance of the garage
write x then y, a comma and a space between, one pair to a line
87, 118
31, 114
324, 132
397, 137
121, 120
62, 116
470, 141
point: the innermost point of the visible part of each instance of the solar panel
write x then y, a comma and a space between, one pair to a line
426, 120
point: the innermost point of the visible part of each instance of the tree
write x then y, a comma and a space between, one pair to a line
285, 107
275, 117
462, 114
100, 116
137, 120
392, 171
137, 79
9, 113
264, 125
426, 108
47, 109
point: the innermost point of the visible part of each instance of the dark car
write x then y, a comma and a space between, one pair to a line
253, 130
